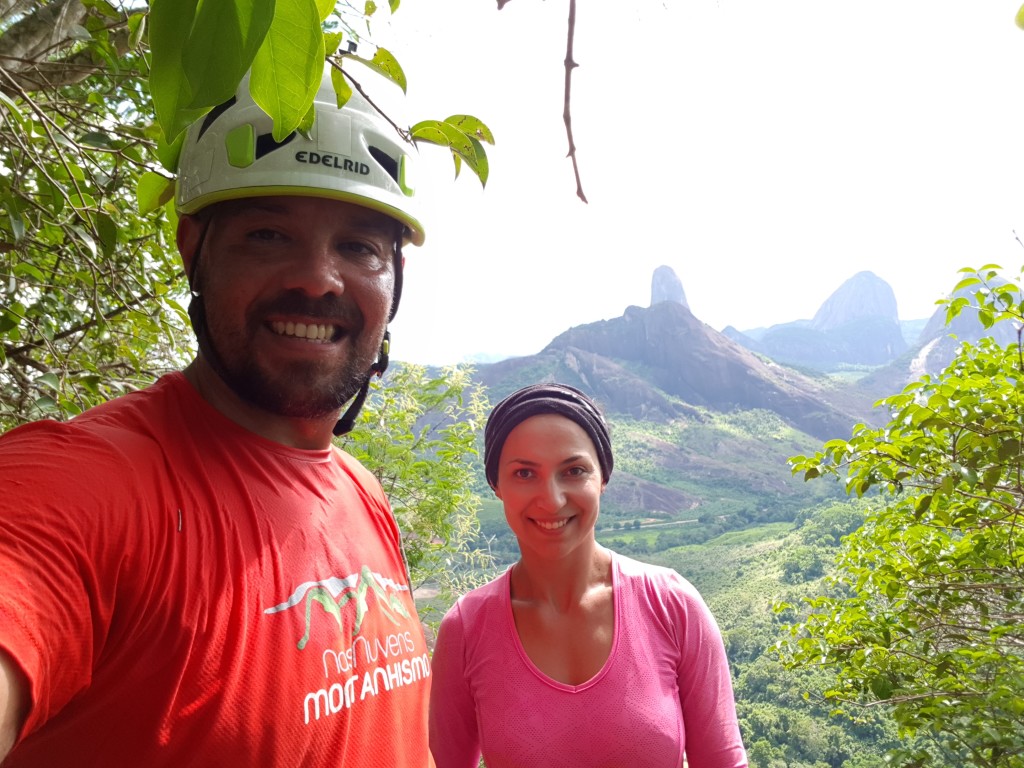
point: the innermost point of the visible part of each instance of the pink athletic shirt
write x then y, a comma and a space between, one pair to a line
664, 690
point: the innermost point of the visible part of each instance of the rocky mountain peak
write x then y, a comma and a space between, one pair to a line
865, 295
666, 286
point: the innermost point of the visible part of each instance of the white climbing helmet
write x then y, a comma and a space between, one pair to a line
351, 154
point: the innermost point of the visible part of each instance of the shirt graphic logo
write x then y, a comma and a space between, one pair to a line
374, 660
334, 593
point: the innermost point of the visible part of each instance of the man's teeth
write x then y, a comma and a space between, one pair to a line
311, 331
553, 526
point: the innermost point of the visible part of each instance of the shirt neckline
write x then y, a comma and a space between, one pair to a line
524, 656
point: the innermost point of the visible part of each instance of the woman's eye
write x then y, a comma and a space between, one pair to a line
522, 474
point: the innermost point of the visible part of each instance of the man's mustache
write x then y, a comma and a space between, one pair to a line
330, 307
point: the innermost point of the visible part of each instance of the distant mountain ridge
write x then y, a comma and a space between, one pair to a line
681, 388
857, 325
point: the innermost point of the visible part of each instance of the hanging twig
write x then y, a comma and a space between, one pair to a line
570, 65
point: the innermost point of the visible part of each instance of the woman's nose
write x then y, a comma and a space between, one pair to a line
551, 497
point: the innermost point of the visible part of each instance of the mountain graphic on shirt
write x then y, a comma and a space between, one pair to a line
335, 593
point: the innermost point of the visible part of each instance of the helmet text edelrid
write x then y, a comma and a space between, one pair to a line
333, 161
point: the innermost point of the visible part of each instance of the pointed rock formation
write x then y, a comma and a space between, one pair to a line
666, 286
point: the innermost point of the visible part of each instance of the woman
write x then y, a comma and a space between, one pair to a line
575, 656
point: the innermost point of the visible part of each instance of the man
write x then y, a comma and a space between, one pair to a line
192, 574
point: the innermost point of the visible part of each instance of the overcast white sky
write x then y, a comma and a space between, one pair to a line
766, 150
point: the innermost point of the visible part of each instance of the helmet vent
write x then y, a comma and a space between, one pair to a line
213, 114
387, 162
265, 143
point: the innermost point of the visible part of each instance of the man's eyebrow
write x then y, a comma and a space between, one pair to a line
252, 206
364, 218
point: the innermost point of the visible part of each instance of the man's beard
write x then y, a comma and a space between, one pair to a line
304, 390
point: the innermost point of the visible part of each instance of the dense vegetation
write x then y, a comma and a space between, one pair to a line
923, 618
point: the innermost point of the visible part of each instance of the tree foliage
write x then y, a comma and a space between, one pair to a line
90, 283
925, 616
417, 434
201, 51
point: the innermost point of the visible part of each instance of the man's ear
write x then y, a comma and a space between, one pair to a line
190, 230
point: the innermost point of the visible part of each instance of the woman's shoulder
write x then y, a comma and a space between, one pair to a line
634, 570
656, 582
481, 601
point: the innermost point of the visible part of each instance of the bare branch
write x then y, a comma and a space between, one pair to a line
570, 65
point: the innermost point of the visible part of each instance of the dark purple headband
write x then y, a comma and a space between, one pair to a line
537, 399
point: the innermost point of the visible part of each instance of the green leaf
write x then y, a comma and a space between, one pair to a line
220, 49
170, 23
96, 139
289, 66
471, 126
923, 504
967, 282
169, 154
881, 687
46, 404
80, 33
324, 8
17, 225
25, 269
153, 191
136, 29
341, 87
384, 63
478, 161
107, 231
444, 134
331, 42
12, 108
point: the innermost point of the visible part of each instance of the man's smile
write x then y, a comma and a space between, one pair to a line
323, 333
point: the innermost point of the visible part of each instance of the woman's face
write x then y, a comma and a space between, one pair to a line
549, 480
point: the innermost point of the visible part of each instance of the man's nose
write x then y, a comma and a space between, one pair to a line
316, 270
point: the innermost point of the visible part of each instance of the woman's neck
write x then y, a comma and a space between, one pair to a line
564, 583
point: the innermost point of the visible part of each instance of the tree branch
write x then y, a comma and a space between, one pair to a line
46, 27
570, 65
110, 315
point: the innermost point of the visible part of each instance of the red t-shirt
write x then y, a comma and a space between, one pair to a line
180, 591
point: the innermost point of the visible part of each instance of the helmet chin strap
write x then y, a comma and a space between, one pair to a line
348, 419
